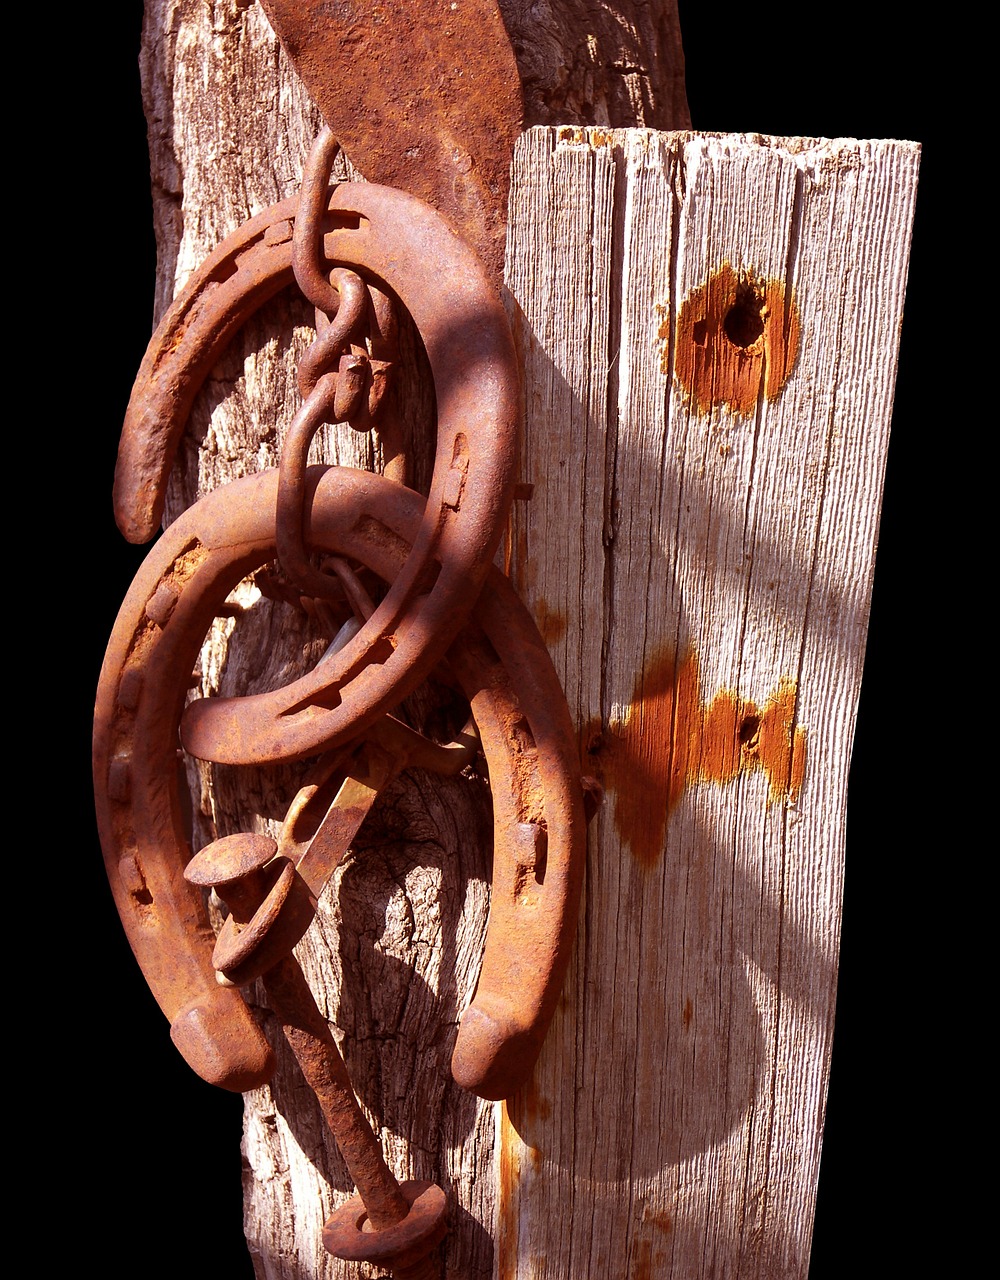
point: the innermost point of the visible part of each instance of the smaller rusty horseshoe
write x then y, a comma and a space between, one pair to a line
408, 249
504, 669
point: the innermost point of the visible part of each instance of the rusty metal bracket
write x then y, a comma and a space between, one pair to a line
501, 664
423, 96
411, 252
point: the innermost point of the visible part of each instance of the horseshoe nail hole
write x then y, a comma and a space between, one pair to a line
744, 322
346, 220
749, 729
224, 271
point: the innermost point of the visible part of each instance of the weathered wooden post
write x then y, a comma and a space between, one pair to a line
708, 327
692, 306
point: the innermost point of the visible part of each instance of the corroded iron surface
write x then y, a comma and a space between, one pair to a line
404, 246
527, 740
423, 95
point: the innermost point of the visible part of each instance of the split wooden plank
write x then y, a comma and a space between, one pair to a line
710, 327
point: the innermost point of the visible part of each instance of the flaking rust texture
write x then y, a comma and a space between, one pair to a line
669, 740
390, 236
737, 340
525, 733
423, 97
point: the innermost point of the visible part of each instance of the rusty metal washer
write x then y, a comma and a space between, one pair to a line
400, 1247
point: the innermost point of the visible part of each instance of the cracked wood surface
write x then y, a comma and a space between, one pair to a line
397, 944
702, 568
398, 938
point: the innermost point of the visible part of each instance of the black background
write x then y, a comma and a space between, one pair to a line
148, 1156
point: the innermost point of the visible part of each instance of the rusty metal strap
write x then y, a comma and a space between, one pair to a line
423, 95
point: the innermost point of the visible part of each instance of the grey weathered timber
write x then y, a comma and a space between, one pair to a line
702, 570
397, 943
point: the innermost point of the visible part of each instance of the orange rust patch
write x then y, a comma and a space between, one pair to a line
551, 624
508, 1179
642, 1264
737, 338
669, 739
515, 554
536, 1107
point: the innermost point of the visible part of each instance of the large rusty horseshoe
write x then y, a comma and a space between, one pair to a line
410, 250
504, 669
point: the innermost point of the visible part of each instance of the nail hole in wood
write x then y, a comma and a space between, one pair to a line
744, 322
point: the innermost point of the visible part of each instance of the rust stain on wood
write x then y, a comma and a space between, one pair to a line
642, 1266
551, 624
737, 339
508, 1177
659, 1218
536, 1107
668, 739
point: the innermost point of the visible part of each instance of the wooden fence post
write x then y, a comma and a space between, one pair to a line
709, 326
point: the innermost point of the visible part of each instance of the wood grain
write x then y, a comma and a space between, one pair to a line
674, 1125
396, 949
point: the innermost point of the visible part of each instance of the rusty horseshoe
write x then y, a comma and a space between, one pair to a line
409, 250
500, 662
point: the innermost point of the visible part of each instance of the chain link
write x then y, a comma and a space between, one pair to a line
336, 375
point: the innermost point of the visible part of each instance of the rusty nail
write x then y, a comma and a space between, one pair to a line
350, 400
234, 866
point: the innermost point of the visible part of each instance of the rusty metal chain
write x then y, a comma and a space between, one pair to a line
308, 261
411, 251
337, 388
338, 377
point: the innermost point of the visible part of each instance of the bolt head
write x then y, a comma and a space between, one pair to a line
229, 860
